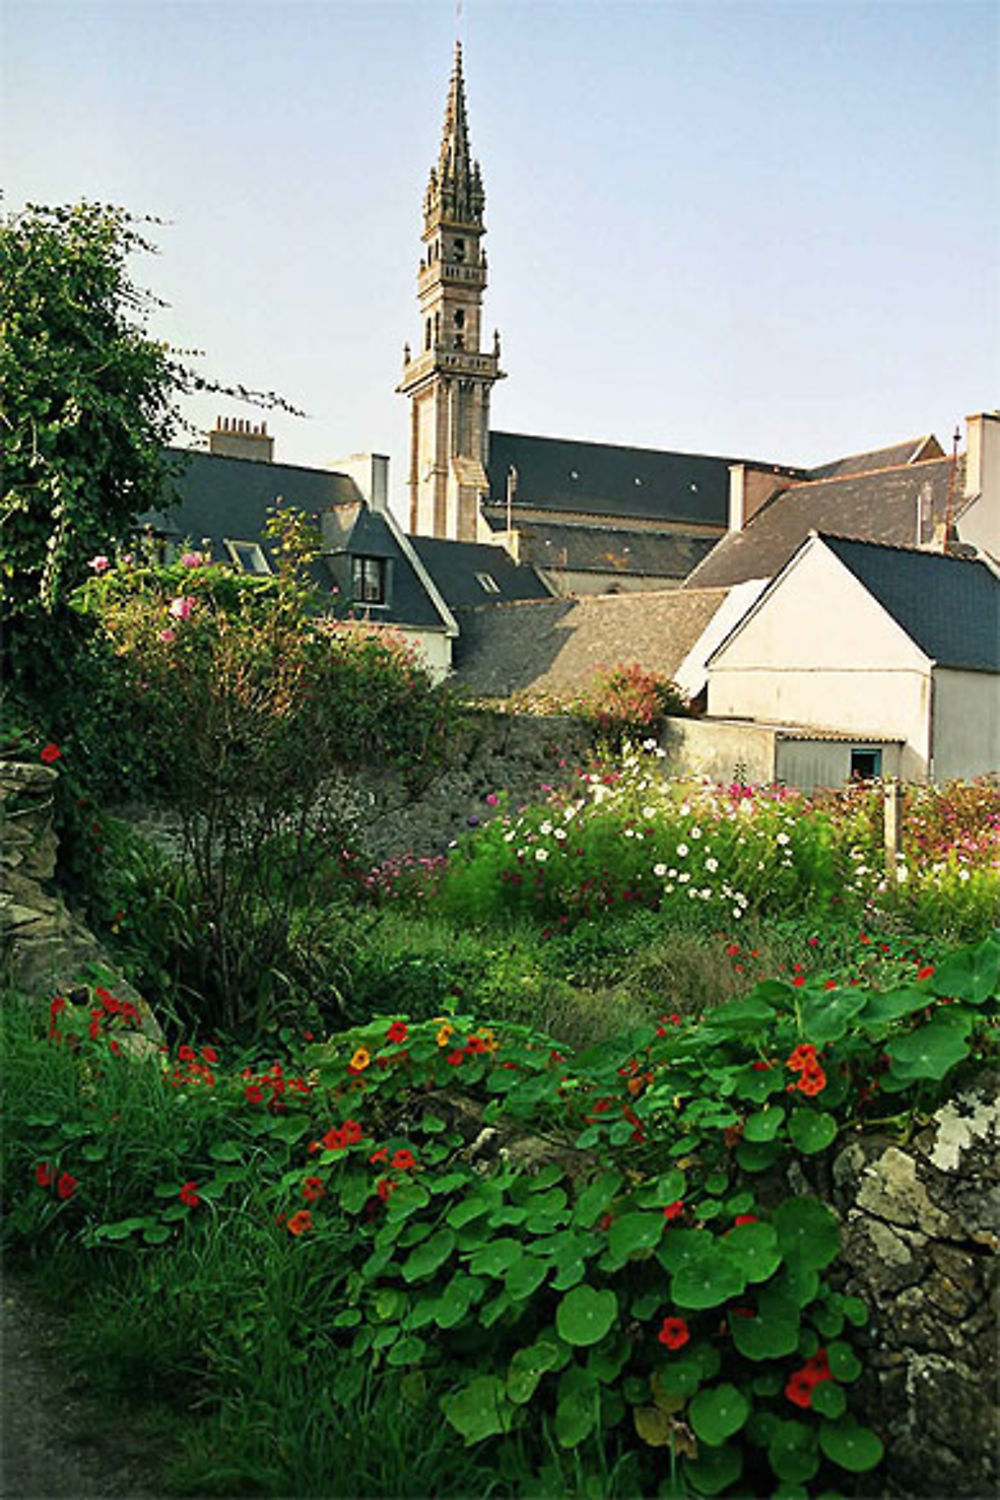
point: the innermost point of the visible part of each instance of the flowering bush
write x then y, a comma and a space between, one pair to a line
597, 1216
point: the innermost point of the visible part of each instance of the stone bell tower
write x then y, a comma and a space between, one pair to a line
449, 377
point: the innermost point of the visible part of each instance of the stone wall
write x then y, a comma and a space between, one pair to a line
921, 1230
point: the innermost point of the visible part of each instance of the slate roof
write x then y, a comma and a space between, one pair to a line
604, 479
222, 497
557, 645
907, 452
877, 507
950, 606
611, 549
454, 567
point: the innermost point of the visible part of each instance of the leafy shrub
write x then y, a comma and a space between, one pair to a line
628, 702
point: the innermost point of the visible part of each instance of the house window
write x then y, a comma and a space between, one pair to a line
866, 764
248, 556
488, 583
369, 580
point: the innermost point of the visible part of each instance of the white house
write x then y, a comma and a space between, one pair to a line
887, 653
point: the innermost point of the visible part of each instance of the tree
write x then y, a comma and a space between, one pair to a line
88, 400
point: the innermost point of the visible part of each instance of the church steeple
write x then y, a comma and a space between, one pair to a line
455, 188
449, 379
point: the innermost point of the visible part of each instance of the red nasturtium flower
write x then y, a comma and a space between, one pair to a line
189, 1194
334, 1139
313, 1189
454, 1059
799, 1389
51, 753
404, 1161
209, 1054
186, 1054
45, 1174
382, 1154
385, 1186
745, 1219
67, 1185
674, 1333
925, 972
398, 1032
299, 1222
351, 1132
253, 1093
673, 1210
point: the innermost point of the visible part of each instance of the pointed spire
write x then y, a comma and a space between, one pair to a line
455, 188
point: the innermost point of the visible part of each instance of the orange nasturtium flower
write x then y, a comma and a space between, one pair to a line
444, 1034
299, 1222
360, 1060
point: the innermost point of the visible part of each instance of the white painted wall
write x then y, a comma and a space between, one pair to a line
980, 524
719, 751
966, 724
433, 648
819, 650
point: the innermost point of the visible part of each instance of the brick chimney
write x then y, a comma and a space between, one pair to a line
235, 437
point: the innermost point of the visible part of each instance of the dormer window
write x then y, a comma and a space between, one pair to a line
368, 580
248, 556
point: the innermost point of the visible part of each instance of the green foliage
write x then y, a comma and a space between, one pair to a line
627, 702
614, 1275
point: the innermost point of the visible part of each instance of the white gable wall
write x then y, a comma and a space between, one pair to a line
965, 724
820, 650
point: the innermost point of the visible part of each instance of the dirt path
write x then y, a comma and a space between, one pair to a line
51, 1445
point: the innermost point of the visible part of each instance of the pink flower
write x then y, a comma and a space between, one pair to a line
191, 560
492, 799
168, 635
181, 607
100, 564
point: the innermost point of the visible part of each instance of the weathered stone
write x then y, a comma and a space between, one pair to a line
892, 1190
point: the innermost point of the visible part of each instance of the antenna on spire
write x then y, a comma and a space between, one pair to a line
458, 20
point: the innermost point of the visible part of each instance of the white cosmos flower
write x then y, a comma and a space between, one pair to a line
711, 864
559, 833
649, 812
541, 855
682, 849
684, 877
696, 832
783, 838
546, 828
659, 871
668, 889
671, 873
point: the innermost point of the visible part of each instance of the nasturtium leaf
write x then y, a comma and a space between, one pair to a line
755, 1247
432, 1124
812, 1130
596, 1198
412, 1233
792, 1452
362, 1341
290, 1128
710, 1280
718, 1411
456, 1299
376, 1262
226, 1151
525, 1277
761, 1425
758, 1156
844, 1363
480, 1410
747, 1014
932, 1050
772, 1333
851, 1446
798, 1284
585, 1315
156, 1234
527, 1368
386, 1336
653, 1425
429, 1256
408, 1351
546, 1178
807, 1231
507, 1214
714, 1470
855, 1311
682, 1247
473, 1207
607, 1359
390, 1303
881, 1009
449, 1182
829, 1399
829, 1321
496, 1257
494, 1309
635, 1233
764, 1125
406, 1200
120, 1230
825, 1015
972, 975
569, 1275
665, 1189
350, 1317
645, 1304
578, 1412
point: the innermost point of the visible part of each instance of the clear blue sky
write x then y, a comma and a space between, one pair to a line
757, 229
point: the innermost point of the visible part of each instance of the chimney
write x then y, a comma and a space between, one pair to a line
235, 437
751, 487
982, 452
370, 472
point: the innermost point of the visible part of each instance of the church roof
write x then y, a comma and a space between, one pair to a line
604, 479
885, 506
950, 606
558, 645
909, 452
611, 549
469, 574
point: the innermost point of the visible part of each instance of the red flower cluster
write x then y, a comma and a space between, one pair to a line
805, 1062
802, 1383
300, 1222
674, 1333
51, 753
65, 1183
270, 1087
397, 1033
337, 1138
189, 1195
313, 1189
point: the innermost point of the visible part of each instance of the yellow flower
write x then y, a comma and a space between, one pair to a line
491, 1043
360, 1060
443, 1035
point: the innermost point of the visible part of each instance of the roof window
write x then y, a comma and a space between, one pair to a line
248, 556
488, 583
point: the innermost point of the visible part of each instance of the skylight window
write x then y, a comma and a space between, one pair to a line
248, 556
488, 583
